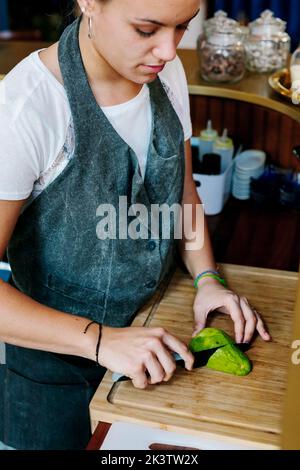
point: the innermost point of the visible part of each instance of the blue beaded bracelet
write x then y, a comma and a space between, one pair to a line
212, 274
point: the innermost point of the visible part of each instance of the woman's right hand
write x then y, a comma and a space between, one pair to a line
143, 354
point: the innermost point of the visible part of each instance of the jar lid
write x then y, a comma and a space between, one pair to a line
221, 23
222, 30
267, 25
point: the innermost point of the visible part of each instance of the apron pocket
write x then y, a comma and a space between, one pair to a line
75, 291
40, 416
70, 297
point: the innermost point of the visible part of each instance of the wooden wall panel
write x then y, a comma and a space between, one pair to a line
251, 125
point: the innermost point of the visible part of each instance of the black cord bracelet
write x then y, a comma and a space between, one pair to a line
98, 344
99, 338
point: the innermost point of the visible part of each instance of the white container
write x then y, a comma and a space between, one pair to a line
131, 436
214, 190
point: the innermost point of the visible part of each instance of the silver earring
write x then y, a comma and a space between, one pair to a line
90, 28
83, 10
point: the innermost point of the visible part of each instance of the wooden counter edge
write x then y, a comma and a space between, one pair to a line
243, 96
101, 410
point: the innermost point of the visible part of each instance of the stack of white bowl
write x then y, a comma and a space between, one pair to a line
248, 164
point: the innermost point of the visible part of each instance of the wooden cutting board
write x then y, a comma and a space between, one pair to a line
206, 402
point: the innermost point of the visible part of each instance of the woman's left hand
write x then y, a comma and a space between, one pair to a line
212, 296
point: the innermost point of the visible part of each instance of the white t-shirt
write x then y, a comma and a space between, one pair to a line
36, 130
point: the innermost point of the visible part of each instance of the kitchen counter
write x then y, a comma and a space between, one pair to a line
246, 411
253, 88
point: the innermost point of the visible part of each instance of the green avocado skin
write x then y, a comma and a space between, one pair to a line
209, 338
228, 358
231, 360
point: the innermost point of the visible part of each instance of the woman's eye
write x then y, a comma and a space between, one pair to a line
145, 34
183, 27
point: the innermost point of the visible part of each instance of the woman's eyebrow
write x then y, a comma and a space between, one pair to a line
158, 23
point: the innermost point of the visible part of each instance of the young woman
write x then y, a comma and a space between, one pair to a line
102, 114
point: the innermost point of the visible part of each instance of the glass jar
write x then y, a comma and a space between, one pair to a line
268, 44
295, 76
221, 50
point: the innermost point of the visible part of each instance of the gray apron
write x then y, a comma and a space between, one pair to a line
58, 260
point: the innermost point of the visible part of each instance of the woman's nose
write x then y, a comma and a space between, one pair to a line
166, 49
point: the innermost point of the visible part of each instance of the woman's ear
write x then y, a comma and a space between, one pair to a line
86, 6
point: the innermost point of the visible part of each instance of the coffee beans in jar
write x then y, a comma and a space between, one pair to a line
221, 50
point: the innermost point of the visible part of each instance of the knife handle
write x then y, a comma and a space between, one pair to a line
117, 377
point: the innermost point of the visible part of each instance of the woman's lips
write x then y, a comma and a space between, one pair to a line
154, 68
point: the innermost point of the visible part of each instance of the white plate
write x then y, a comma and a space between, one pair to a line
250, 160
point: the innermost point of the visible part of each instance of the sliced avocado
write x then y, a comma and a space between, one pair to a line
231, 360
209, 338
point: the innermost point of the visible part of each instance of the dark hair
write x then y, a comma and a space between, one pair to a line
76, 9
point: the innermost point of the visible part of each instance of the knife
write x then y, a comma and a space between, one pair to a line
201, 359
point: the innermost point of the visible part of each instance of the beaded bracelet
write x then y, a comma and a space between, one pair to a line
211, 274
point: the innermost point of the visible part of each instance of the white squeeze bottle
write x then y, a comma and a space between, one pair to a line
206, 139
295, 76
224, 146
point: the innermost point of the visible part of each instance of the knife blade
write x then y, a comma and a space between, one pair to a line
201, 359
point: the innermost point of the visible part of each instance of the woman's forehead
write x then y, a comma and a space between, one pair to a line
164, 11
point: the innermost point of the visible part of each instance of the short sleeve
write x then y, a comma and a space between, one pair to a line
19, 162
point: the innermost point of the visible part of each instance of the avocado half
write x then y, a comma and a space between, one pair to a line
209, 338
228, 358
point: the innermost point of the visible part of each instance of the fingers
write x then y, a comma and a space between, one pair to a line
181, 348
167, 362
140, 379
253, 321
201, 320
155, 362
237, 316
197, 328
250, 320
156, 373
246, 320
261, 328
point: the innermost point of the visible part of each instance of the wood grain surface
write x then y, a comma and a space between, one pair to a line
206, 402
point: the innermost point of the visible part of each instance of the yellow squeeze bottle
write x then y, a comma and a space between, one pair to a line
207, 139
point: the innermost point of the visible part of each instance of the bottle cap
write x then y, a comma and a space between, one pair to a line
224, 142
209, 134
